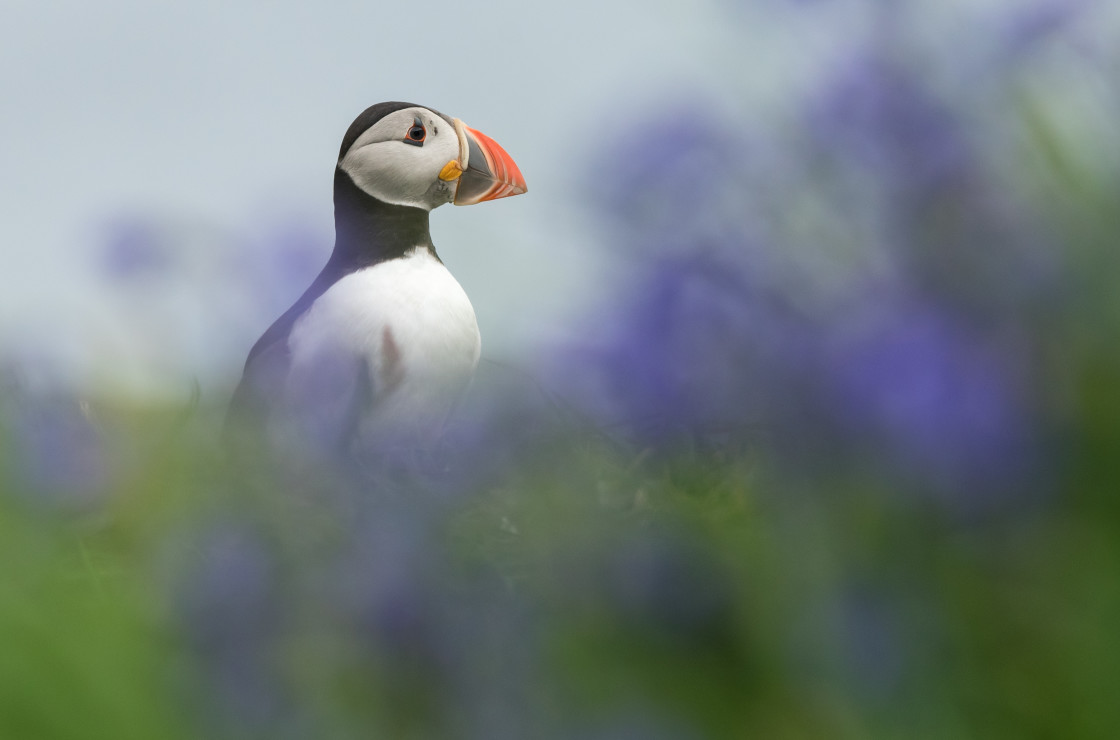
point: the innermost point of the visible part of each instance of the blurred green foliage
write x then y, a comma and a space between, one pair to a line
701, 590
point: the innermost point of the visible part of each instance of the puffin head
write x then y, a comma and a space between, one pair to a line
408, 155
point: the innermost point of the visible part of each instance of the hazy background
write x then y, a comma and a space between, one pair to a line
211, 130
188, 148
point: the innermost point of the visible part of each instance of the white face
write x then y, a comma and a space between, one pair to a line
388, 163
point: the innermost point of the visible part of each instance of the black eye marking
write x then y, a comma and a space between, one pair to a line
416, 134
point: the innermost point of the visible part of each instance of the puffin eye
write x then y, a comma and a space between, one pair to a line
416, 134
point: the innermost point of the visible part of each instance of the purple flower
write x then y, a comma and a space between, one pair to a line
696, 349
914, 181
505, 419
278, 266
685, 177
228, 603
135, 248
1026, 28
388, 584
454, 650
56, 452
933, 399
875, 114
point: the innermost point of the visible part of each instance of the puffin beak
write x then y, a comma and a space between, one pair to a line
486, 171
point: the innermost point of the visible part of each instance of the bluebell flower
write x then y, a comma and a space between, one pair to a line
388, 583
934, 400
912, 180
697, 348
876, 114
55, 450
507, 419
448, 649
685, 178
1028, 27
135, 248
229, 604
276, 266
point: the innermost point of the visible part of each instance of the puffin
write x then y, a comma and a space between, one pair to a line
384, 342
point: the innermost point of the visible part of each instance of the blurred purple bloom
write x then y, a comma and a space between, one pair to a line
135, 249
228, 603
457, 651
1029, 26
388, 585
697, 349
505, 419
672, 160
231, 585
934, 399
904, 159
683, 178
56, 451
875, 113
280, 265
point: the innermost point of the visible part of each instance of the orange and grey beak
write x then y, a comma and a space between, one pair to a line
484, 170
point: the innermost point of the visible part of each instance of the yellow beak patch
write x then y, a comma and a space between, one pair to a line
451, 171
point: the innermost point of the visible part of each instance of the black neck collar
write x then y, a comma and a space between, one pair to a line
368, 230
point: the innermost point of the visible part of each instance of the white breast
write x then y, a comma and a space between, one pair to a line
414, 325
